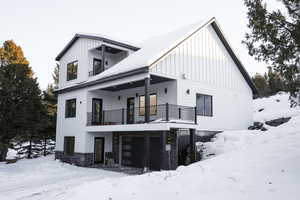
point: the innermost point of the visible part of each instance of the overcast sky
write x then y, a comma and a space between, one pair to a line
43, 27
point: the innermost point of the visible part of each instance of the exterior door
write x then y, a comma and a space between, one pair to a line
99, 150
130, 110
97, 111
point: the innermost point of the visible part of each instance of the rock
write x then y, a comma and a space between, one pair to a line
256, 126
263, 129
278, 122
262, 109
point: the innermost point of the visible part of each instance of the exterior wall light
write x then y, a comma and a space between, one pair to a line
188, 91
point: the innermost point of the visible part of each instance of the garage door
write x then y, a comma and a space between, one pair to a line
132, 151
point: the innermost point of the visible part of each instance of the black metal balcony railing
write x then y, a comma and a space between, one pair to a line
158, 114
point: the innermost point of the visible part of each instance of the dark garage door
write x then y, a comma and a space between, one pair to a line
132, 151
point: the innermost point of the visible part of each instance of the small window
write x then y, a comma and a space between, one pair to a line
70, 108
97, 66
72, 70
153, 105
204, 105
69, 143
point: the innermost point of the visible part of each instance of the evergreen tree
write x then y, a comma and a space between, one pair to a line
275, 82
261, 85
10, 53
22, 111
275, 38
55, 75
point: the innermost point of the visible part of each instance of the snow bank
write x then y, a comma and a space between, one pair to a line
273, 107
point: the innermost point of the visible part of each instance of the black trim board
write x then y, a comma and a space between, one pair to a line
106, 79
234, 57
74, 39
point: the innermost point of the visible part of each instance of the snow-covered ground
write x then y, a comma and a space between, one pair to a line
44, 178
248, 165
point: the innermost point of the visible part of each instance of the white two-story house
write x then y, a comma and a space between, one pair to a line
145, 106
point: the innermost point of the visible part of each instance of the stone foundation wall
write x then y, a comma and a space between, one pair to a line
79, 159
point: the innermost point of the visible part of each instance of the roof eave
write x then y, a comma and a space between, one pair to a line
109, 41
235, 58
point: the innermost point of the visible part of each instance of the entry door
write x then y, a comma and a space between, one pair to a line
130, 110
99, 150
97, 111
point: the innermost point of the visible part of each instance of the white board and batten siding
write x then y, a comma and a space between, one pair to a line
82, 51
209, 69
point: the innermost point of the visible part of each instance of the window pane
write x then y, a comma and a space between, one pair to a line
97, 66
142, 105
72, 70
69, 143
70, 108
208, 105
200, 104
153, 104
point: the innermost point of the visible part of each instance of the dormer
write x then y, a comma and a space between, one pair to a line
104, 57
87, 55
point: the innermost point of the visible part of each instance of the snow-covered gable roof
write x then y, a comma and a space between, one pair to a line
152, 49
103, 38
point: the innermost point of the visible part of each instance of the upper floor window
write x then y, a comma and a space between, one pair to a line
70, 108
204, 105
72, 70
97, 66
153, 105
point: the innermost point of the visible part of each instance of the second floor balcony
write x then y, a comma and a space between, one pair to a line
164, 113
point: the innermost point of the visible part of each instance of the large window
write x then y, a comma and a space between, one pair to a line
72, 70
70, 108
204, 105
69, 143
153, 105
97, 66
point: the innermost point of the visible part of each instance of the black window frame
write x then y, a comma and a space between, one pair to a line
69, 145
204, 113
101, 66
71, 76
68, 113
151, 114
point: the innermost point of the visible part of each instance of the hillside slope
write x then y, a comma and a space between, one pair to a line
249, 165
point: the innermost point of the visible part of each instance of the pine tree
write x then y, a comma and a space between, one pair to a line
275, 38
22, 112
261, 85
10, 53
55, 75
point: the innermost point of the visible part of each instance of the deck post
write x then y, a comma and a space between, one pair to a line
147, 100
167, 111
147, 152
103, 57
163, 158
195, 109
192, 145
123, 117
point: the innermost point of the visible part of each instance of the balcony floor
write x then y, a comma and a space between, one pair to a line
140, 127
